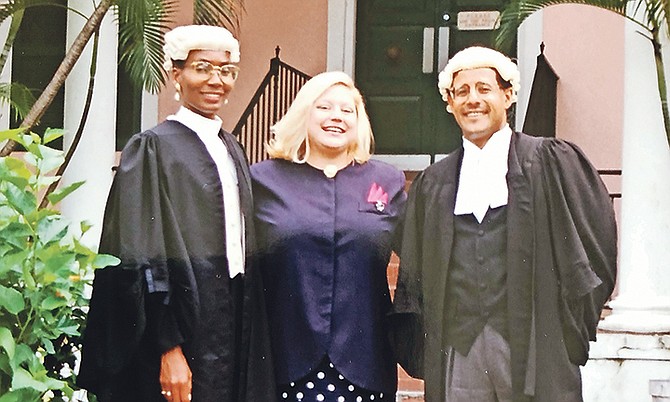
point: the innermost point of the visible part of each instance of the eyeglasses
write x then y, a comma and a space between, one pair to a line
463, 92
206, 70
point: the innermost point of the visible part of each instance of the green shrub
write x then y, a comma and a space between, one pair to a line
44, 272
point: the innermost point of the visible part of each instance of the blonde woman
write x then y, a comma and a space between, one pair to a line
326, 218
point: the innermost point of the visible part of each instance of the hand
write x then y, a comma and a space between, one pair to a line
175, 377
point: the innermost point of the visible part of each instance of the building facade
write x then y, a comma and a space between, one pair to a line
606, 102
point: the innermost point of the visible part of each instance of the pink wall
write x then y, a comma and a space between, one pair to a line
299, 28
585, 45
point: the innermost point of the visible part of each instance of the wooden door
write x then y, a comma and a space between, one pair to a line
401, 47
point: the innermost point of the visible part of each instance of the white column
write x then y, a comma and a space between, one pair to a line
149, 111
643, 302
528, 48
94, 156
633, 346
341, 36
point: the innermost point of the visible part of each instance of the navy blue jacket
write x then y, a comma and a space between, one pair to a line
325, 245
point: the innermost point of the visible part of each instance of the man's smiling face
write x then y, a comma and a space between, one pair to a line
479, 103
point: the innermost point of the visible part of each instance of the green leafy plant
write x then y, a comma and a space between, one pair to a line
44, 272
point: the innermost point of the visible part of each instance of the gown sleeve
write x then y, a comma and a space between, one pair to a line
399, 199
406, 316
131, 301
584, 240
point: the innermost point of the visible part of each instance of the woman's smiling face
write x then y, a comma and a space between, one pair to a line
202, 92
332, 125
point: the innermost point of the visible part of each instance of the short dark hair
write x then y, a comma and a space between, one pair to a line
503, 84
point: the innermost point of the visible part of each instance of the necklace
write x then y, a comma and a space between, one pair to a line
330, 171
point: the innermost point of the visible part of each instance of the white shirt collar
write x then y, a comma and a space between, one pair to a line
482, 181
208, 132
497, 146
198, 123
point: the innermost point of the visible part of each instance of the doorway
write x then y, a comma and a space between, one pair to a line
401, 46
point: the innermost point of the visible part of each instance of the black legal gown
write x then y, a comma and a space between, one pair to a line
165, 221
561, 268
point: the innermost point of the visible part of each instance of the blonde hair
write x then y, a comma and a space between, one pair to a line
290, 138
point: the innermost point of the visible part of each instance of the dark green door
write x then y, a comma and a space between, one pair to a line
401, 45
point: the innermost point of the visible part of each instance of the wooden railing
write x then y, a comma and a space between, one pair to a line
271, 100
611, 172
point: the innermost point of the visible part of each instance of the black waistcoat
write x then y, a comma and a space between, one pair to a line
476, 288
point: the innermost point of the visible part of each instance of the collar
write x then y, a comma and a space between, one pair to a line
496, 147
200, 124
482, 181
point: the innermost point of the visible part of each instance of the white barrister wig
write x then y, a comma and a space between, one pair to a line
479, 57
181, 40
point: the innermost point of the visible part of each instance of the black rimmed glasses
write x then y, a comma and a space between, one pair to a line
206, 70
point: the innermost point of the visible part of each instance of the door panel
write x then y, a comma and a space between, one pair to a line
400, 115
389, 54
394, 53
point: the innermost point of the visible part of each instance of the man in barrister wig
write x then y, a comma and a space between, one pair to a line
508, 256
182, 317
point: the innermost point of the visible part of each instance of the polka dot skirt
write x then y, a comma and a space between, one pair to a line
326, 384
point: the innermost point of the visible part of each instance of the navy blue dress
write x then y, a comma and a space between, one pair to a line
324, 247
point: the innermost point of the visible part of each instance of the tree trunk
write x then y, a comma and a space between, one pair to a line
82, 123
57, 81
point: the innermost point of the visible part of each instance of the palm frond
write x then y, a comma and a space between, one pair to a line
141, 27
15, 9
225, 13
666, 14
19, 97
656, 13
17, 18
9, 8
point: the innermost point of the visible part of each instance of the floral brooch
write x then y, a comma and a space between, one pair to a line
378, 197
